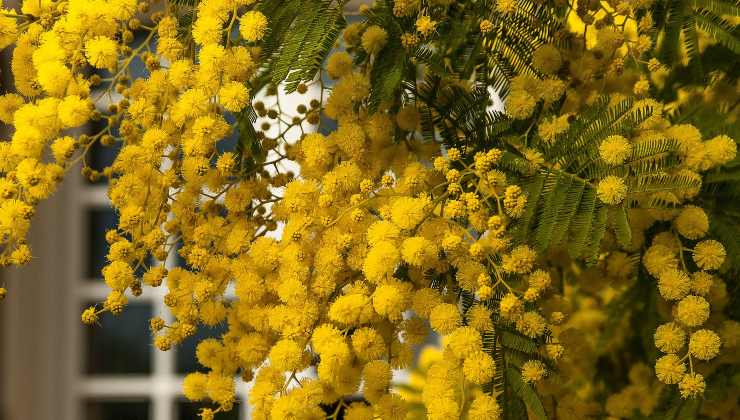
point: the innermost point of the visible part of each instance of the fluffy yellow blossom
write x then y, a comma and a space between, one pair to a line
339, 64
670, 369
425, 25
546, 58
520, 260
464, 341
659, 258
74, 111
531, 324
252, 26
407, 212
692, 311
704, 344
484, 407
485, 26
444, 318
102, 52
692, 385
669, 338
520, 104
479, 367
374, 39
673, 284
692, 222
233, 96
615, 150
286, 355
611, 190
709, 254
533, 371
418, 251
721, 149
701, 283
381, 262
368, 344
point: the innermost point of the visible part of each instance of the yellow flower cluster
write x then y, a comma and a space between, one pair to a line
329, 280
666, 259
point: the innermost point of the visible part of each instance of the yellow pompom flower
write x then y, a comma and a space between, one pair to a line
424, 300
374, 39
74, 111
510, 306
704, 344
286, 355
444, 318
368, 344
701, 283
485, 26
692, 311
709, 254
425, 25
669, 338
721, 149
89, 315
520, 260
692, 385
520, 104
611, 190
615, 150
484, 407
233, 96
407, 212
479, 367
390, 300
479, 318
102, 52
418, 251
546, 58
464, 341
252, 26
194, 386
221, 389
533, 371
381, 262
531, 324
673, 284
358, 411
339, 64
692, 223
63, 148
659, 258
669, 369
54, 77
506, 6
377, 375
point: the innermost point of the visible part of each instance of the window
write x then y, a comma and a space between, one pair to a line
120, 375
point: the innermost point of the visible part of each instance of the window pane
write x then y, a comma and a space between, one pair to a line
116, 410
120, 344
99, 221
189, 411
185, 356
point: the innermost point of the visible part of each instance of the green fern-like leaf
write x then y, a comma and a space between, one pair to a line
525, 393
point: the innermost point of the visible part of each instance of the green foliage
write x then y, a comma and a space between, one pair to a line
525, 392
679, 23
303, 32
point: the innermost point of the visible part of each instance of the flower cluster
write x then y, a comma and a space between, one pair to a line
418, 213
